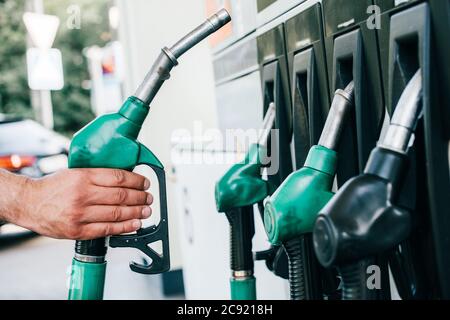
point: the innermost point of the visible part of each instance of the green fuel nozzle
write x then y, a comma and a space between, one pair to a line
236, 192
242, 185
110, 141
291, 211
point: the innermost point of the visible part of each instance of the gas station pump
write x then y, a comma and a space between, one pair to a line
377, 218
411, 39
352, 55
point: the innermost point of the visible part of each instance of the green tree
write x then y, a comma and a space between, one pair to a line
71, 106
14, 92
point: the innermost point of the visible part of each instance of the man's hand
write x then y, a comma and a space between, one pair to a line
77, 204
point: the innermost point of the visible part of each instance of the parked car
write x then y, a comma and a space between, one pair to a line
29, 149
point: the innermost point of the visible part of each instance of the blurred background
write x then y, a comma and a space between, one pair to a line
64, 62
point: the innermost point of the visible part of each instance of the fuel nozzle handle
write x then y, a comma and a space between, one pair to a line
168, 58
340, 108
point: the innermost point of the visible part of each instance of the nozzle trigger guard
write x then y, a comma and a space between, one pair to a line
144, 237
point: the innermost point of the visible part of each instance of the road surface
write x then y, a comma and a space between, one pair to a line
37, 268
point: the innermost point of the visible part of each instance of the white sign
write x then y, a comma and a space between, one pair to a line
42, 28
45, 69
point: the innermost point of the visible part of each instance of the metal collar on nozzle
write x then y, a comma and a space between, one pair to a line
405, 118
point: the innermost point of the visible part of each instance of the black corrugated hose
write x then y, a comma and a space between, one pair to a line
297, 281
354, 281
242, 230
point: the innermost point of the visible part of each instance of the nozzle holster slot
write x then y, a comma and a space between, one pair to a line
309, 80
404, 48
275, 79
352, 54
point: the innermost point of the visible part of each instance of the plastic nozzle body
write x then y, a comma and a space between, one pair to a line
242, 185
168, 58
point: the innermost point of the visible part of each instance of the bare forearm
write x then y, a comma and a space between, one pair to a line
77, 203
13, 196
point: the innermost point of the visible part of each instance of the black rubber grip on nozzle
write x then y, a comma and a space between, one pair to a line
242, 230
95, 248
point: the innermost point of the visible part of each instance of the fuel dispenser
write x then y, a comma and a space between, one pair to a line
271, 53
275, 80
111, 141
440, 51
352, 55
395, 208
419, 265
392, 173
309, 79
310, 105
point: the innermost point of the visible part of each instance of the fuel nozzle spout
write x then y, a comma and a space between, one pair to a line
268, 122
211, 25
340, 108
405, 118
168, 58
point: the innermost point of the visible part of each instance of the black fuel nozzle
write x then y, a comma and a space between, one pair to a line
362, 220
